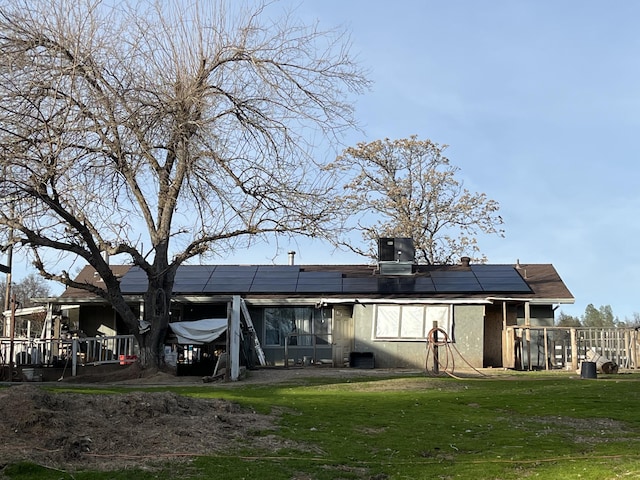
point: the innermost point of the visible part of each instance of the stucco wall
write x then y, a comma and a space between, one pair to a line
468, 331
399, 354
469, 334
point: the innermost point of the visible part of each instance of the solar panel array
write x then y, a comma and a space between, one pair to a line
285, 279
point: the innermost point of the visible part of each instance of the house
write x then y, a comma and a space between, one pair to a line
359, 315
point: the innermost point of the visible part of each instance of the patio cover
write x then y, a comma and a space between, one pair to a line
199, 332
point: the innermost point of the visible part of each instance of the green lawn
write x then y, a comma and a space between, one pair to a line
533, 425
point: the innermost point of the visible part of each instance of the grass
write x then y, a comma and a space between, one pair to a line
529, 426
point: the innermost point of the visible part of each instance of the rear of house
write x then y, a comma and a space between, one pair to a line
380, 315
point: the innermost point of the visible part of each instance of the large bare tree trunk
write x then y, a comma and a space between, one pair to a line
157, 312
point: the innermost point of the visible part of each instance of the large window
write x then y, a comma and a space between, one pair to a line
300, 324
410, 322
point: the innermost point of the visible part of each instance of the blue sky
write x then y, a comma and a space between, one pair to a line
539, 104
538, 101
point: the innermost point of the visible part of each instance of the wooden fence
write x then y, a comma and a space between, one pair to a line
537, 348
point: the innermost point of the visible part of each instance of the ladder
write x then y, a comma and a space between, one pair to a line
252, 330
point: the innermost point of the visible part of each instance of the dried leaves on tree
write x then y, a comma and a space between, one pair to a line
408, 188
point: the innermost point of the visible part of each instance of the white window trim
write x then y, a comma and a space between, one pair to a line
425, 328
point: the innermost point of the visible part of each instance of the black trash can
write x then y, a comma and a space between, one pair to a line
588, 370
361, 360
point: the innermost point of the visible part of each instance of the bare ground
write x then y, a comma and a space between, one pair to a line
74, 431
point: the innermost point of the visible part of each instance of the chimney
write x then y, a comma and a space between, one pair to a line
465, 261
292, 255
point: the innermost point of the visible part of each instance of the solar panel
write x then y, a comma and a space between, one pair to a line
455, 281
319, 282
500, 278
231, 279
275, 273
289, 279
492, 270
134, 281
275, 279
194, 271
359, 285
424, 285
192, 278
390, 285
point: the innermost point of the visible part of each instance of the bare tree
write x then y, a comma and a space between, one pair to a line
161, 132
30, 287
408, 188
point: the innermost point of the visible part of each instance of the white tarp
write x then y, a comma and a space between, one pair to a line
199, 331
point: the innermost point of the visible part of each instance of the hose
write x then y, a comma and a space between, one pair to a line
433, 340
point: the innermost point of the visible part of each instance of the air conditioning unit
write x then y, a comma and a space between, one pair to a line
396, 256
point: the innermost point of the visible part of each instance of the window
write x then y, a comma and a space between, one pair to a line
301, 324
410, 322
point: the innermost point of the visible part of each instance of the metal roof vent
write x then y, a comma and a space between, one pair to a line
396, 256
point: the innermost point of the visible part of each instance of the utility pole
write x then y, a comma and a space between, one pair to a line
7, 269
12, 329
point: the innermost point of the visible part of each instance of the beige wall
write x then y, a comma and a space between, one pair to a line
468, 330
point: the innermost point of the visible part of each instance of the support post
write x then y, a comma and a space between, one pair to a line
74, 356
574, 350
8, 268
634, 348
436, 358
12, 333
527, 323
546, 350
233, 334
506, 350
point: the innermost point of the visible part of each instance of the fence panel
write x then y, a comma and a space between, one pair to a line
565, 347
59, 352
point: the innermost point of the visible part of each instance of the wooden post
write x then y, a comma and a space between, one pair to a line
12, 334
55, 337
546, 349
627, 349
436, 359
634, 349
9, 266
574, 350
506, 359
74, 356
527, 323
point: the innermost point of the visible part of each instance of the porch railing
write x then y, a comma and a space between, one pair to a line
68, 352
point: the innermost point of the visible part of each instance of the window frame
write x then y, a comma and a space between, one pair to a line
388, 319
310, 322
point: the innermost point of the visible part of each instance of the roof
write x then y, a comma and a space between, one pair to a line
88, 275
538, 282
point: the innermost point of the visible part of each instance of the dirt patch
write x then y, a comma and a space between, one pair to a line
584, 430
104, 431
73, 431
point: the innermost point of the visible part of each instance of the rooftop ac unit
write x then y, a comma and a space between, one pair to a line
396, 256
